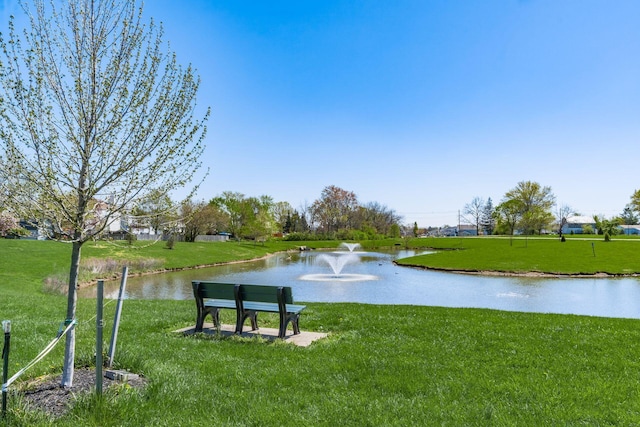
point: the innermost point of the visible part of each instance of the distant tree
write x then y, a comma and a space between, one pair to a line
561, 214
509, 213
374, 219
94, 106
488, 219
201, 218
628, 216
231, 203
535, 203
535, 220
299, 223
157, 210
248, 217
606, 227
306, 218
635, 201
587, 229
334, 208
395, 232
258, 221
281, 212
473, 212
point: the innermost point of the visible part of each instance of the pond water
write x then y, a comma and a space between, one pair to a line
382, 282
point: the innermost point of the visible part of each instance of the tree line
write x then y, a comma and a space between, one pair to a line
336, 214
530, 208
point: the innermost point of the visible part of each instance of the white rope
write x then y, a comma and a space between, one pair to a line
104, 304
40, 356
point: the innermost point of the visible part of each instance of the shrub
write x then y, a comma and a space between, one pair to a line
98, 268
131, 238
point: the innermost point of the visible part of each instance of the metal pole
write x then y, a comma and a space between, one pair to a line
99, 326
6, 326
116, 320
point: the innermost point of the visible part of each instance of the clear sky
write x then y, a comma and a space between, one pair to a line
418, 105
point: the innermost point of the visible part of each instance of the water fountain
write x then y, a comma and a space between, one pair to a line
350, 246
337, 261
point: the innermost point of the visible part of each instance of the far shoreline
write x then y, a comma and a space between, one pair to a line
533, 274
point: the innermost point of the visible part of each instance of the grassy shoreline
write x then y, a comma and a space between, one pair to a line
576, 257
380, 365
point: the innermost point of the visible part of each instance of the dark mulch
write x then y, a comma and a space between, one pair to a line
47, 395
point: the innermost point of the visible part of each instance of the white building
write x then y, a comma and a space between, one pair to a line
575, 224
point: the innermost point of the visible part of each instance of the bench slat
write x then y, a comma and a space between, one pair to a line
270, 307
216, 290
264, 293
221, 303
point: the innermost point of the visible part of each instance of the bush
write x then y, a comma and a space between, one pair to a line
171, 242
17, 232
131, 238
297, 237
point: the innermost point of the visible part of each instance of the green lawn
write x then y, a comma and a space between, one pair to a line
575, 256
380, 365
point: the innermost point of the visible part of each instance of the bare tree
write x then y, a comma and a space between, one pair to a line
473, 212
562, 213
95, 107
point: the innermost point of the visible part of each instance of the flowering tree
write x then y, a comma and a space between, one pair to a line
94, 107
334, 208
7, 223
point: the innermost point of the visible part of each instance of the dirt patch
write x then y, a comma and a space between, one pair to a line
46, 394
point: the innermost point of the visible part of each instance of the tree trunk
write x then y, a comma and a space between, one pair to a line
72, 298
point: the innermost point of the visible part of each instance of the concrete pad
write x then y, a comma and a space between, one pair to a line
303, 339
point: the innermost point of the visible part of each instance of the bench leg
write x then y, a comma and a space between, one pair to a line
241, 317
284, 321
253, 316
199, 322
294, 323
216, 320
215, 317
239, 322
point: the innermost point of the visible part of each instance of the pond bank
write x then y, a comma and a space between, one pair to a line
533, 274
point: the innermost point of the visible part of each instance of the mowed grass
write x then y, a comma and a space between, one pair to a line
380, 365
24, 264
575, 256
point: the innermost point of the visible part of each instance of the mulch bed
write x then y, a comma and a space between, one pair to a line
48, 396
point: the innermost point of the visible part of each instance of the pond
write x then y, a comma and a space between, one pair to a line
373, 278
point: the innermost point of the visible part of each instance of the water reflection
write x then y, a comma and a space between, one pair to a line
610, 297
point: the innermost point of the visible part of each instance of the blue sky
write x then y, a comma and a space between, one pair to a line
418, 105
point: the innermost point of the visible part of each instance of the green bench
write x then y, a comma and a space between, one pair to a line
248, 301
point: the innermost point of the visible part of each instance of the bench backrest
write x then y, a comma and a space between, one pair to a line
213, 290
263, 293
